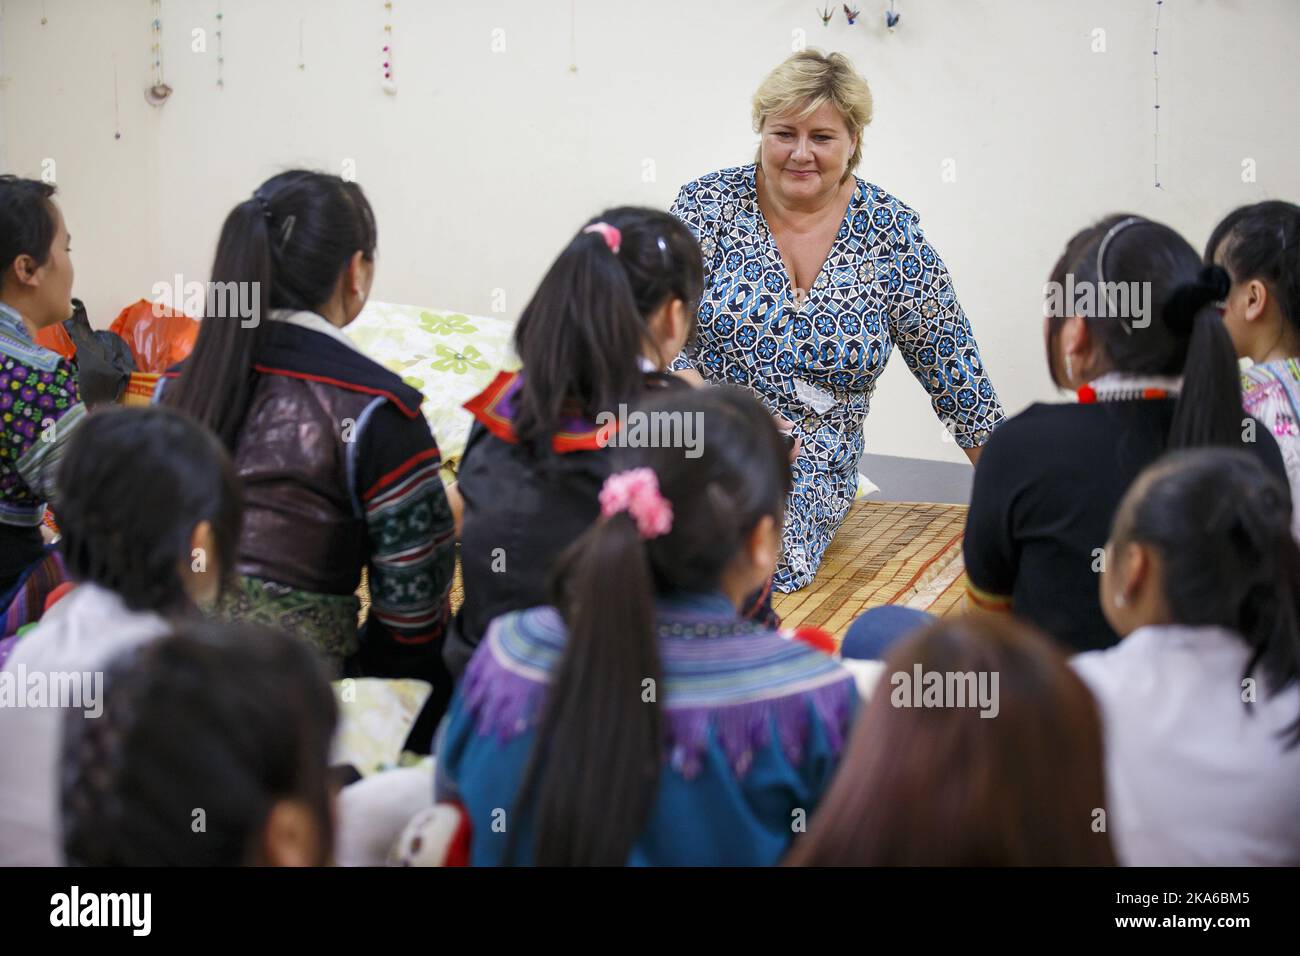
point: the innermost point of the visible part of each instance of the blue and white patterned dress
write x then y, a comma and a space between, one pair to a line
881, 284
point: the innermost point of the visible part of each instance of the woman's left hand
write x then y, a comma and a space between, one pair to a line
786, 427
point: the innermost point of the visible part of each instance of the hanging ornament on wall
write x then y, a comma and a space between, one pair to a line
44, 18
302, 59
1155, 61
851, 14
221, 58
389, 85
826, 15
156, 95
892, 17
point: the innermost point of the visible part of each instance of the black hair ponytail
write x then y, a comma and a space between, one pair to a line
217, 379
1209, 410
592, 776
1221, 523
580, 338
601, 737
290, 242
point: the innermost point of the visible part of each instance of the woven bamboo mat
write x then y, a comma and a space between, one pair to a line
884, 553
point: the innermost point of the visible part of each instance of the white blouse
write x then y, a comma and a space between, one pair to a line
79, 636
1194, 775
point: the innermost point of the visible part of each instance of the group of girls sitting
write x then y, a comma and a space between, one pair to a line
615, 687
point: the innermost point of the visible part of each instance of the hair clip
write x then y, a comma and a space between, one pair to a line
663, 250
286, 231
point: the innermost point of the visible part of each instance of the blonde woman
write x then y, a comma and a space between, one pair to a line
812, 276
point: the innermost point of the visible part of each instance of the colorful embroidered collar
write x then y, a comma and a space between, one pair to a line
723, 678
16, 342
495, 408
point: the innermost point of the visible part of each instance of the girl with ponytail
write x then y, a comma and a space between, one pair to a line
1259, 247
641, 719
613, 310
338, 466
1137, 338
1201, 699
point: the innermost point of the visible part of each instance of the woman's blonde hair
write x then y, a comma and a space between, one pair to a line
804, 82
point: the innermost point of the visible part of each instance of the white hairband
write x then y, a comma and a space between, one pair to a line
1101, 256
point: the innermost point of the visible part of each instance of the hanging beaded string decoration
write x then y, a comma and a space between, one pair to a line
389, 84
1155, 62
157, 94
221, 59
156, 48
117, 109
573, 36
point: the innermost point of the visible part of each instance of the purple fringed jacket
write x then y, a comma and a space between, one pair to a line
754, 724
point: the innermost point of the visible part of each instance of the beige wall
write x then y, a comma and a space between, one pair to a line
484, 162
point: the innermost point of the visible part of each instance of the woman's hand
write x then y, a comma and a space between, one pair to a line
457, 504
786, 427
695, 379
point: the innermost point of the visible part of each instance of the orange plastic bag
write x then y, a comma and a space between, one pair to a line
56, 338
159, 337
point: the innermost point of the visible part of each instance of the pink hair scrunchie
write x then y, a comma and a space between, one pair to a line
637, 492
613, 238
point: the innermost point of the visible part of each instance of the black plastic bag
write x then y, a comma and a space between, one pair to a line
104, 360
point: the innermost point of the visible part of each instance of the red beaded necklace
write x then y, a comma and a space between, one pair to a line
1119, 387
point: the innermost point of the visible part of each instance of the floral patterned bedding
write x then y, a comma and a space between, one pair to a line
449, 356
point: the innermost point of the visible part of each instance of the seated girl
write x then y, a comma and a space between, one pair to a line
40, 407
606, 320
1259, 246
150, 515
1132, 328
338, 466
1005, 773
641, 720
1201, 699
211, 751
